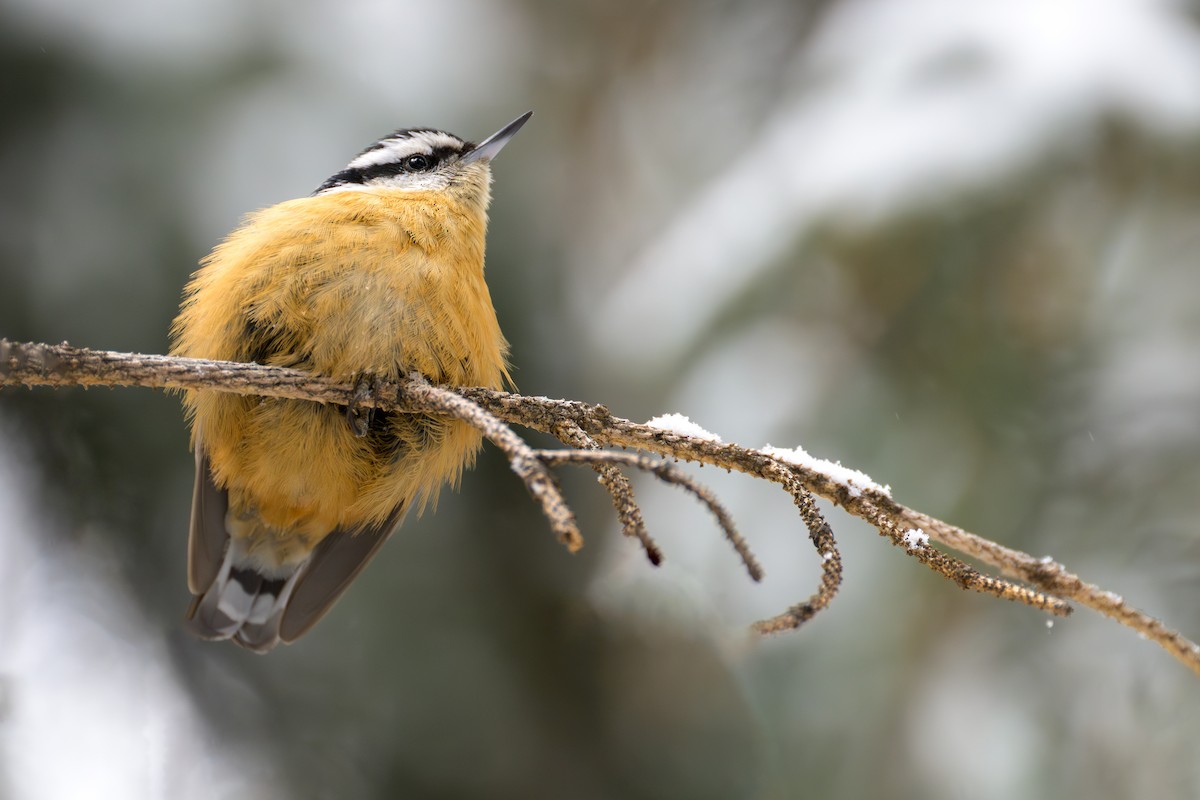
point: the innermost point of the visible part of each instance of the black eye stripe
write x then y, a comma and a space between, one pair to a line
377, 171
340, 179
361, 175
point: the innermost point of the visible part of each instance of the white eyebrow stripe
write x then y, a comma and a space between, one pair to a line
390, 153
394, 150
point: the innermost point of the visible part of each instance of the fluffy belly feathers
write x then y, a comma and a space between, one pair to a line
391, 292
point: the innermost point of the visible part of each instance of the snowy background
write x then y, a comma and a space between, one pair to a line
949, 244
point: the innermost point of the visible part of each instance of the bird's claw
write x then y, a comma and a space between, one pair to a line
360, 419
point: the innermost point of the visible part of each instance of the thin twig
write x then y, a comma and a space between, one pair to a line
831, 561
629, 514
967, 577
669, 474
419, 395
1055, 578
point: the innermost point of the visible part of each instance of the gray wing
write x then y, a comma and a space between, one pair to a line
334, 564
207, 537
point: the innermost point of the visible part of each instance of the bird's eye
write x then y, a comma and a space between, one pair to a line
417, 163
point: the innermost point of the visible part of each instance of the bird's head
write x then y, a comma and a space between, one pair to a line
425, 159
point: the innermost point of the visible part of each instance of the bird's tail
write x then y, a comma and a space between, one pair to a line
242, 603
258, 606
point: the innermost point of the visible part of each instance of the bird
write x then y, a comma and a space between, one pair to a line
378, 274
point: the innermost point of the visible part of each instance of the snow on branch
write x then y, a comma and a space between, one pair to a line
587, 429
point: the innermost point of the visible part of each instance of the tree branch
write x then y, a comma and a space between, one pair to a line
592, 426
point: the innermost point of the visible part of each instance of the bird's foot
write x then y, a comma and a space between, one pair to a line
360, 419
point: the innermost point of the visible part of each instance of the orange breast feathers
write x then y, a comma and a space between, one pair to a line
349, 282
344, 284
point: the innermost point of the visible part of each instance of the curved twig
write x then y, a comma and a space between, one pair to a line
629, 514
831, 561
669, 474
419, 395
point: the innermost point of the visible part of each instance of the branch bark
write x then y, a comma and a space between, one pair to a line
585, 425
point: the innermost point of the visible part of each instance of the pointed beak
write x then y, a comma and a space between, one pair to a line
492, 145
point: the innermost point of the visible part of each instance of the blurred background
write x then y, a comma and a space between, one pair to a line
950, 244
